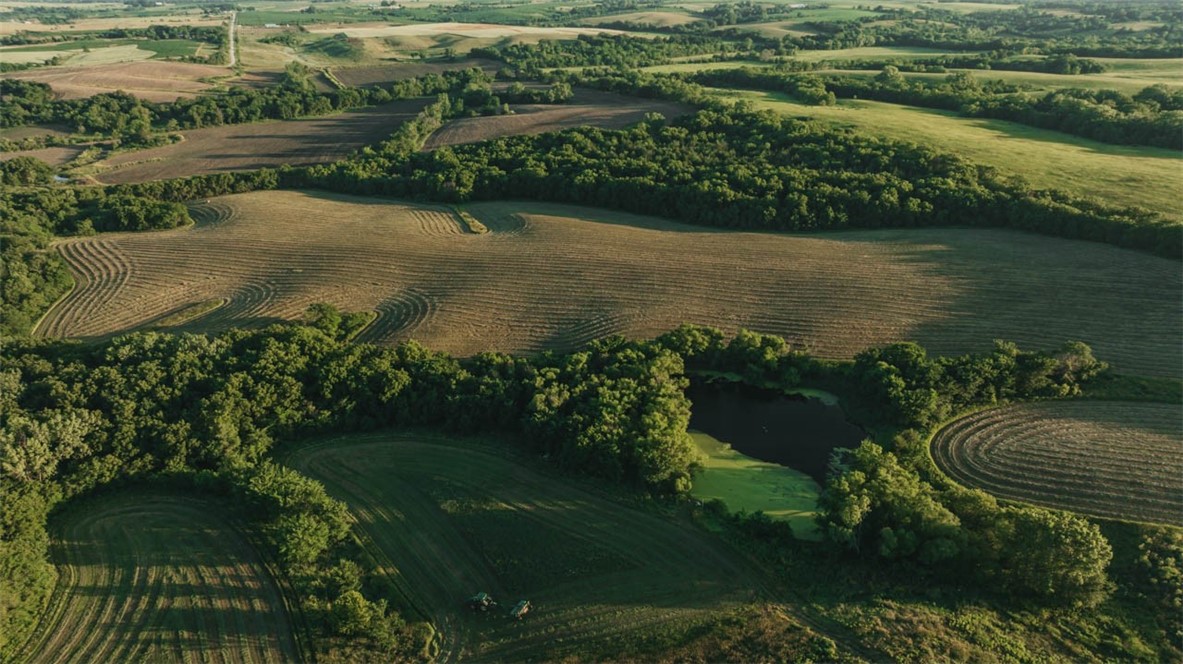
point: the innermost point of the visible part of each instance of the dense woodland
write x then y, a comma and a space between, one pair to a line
207, 413
210, 414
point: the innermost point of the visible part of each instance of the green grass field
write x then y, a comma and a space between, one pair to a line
751, 485
1125, 175
446, 518
1129, 82
148, 577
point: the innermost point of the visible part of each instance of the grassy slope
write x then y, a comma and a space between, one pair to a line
750, 485
1125, 175
149, 577
449, 518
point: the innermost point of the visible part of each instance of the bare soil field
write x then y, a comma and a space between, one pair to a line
152, 81
586, 108
55, 156
1103, 458
258, 145
159, 579
376, 74
555, 277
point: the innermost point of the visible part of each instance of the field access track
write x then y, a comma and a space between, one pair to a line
1103, 458
160, 579
448, 519
556, 277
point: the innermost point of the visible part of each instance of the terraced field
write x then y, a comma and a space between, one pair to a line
160, 579
552, 276
1110, 459
448, 519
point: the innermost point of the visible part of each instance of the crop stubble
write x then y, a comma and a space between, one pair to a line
1103, 458
554, 277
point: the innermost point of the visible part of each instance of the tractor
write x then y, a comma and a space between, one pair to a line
481, 602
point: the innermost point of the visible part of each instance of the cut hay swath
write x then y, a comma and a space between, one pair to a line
1104, 458
160, 579
447, 519
555, 277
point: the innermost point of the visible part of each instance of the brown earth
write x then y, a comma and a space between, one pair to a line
56, 156
587, 108
262, 144
555, 277
148, 80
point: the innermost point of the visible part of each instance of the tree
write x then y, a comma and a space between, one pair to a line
1056, 555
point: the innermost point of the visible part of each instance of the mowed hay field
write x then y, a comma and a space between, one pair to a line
152, 81
554, 277
1117, 174
260, 145
446, 519
586, 108
1103, 458
160, 579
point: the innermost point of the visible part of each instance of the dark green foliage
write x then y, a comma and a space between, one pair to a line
25, 171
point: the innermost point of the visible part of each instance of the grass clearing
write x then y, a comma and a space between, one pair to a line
751, 485
158, 578
259, 145
1115, 459
524, 286
448, 518
1125, 175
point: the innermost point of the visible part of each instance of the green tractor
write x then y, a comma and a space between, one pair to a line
520, 610
481, 602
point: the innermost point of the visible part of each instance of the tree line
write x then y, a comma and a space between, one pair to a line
1152, 116
208, 414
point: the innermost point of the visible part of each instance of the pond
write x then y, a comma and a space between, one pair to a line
793, 431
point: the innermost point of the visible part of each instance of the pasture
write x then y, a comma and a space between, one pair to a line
586, 108
259, 145
146, 577
150, 80
554, 277
750, 485
1124, 175
1111, 459
448, 518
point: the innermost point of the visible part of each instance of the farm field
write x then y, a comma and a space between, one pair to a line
750, 485
1125, 175
586, 108
152, 81
158, 578
1114, 80
657, 18
447, 520
258, 145
55, 156
479, 31
527, 285
1103, 458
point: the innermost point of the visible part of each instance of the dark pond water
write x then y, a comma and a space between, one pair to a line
792, 431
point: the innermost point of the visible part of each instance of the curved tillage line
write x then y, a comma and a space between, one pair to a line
399, 316
1111, 459
549, 276
211, 213
140, 578
104, 272
243, 308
